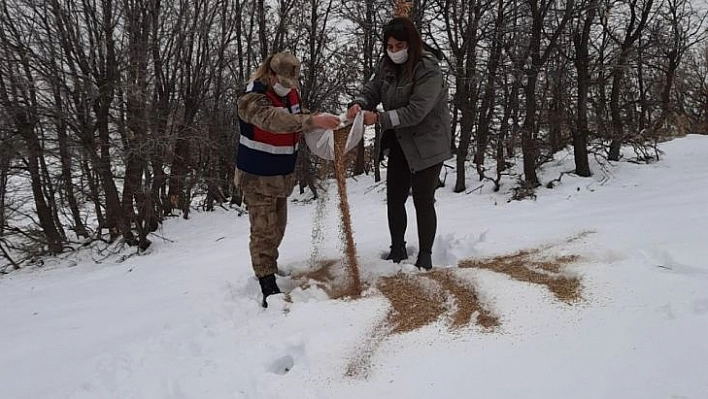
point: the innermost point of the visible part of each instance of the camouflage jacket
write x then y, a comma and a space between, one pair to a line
255, 108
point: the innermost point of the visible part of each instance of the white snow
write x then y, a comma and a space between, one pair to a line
184, 320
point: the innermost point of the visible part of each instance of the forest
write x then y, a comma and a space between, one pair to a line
118, 114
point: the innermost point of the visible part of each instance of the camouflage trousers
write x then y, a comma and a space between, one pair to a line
266, 198
268, 216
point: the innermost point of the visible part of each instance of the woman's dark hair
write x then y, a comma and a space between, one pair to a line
434, 51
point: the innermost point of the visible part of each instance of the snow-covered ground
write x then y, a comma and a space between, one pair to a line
184, 321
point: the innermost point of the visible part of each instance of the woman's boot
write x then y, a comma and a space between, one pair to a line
424, 260
398, 253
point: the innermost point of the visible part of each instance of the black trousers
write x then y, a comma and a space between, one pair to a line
399, 182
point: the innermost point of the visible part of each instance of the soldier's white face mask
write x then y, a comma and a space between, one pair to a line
399, 57
281, 90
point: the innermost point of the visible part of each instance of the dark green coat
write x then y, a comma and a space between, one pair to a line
416, 110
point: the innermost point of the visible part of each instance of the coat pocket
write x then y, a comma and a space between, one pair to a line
430, 142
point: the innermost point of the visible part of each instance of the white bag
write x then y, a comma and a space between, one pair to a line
321, 141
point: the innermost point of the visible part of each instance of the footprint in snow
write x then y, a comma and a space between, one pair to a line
282, 365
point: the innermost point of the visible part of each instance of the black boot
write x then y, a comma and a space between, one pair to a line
398, 253
424, 261
268, 287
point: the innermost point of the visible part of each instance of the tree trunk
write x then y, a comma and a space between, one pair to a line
581, 41
468, 107
44, 213
262, 28
556, 117
67, 177
488, 103
106, 76
94, 191
529, 147
4, 169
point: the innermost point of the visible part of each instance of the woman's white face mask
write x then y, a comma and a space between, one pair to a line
399, 57
281, 90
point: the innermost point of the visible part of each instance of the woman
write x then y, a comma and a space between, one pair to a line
271, 118
416, 123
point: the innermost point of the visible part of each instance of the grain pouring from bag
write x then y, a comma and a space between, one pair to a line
333, 146
340, 140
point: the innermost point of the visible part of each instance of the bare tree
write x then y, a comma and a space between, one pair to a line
9, 143
686, 28
195, 76
542, 14
692, 90
462, 28
19, 98
633, 27
138, 29
490, 89
362, 59
61, 125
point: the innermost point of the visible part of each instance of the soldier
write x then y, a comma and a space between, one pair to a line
271, 118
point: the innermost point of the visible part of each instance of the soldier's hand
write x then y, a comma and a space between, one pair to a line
325, 121
353, 110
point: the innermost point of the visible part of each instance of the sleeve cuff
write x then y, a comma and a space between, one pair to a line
307, 123
359, 101
389, 119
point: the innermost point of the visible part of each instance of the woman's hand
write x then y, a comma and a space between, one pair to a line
325, 121
352, 111
370, 118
